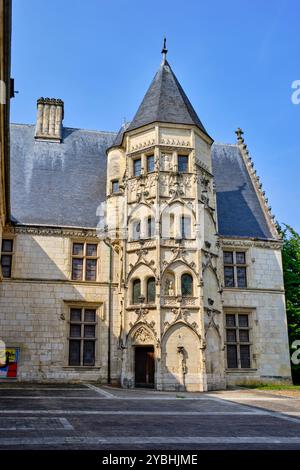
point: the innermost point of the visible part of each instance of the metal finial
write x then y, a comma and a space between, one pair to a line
164, 50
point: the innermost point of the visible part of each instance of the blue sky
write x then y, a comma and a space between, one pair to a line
236, 60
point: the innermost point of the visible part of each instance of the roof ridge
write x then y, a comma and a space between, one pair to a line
67, 127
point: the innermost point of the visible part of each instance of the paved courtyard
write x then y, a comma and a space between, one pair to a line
89, 417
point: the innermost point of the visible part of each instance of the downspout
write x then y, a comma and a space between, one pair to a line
109, 312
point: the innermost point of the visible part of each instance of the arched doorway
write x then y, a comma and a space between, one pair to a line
144, 366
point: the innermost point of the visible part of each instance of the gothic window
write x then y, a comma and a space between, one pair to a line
136, 230
183, 163
150, 163
235, 269
172, 226
137, 167
84, 261
136, 291
186, 285
115, 186
82, 337
151, 290
185, 222
6, 257
238, 341
150, 227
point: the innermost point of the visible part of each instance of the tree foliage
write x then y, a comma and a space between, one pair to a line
291, 273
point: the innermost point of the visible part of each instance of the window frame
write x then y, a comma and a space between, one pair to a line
152, 279
187, 157
147, 162
235, 266
134, 160
135, 281
84, 257
192, 284
82, 338
113, 181
9, 254
238, 343
136, 227
150, 227
183, 235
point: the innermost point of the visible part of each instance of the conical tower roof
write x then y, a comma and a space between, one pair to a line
165, 101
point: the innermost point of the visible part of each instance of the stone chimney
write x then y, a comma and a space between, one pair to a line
50, 114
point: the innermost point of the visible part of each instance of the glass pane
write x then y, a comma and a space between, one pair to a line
136, 230
137, 167
231, 356
185, 227
228, 276
172, 223
77, 268
240, 257
75, 331
78, 249
89, 331
91, 249
91, 270
244, 336
89, 315
115, 186
186, 284
74, 352
75, 314
7, 245
243, 321
183, 161
231, 336
230, 320
245, 356
151, 290
228, 257
88, 353
151, 227
136, 291
6, 265
150, 163
241, 277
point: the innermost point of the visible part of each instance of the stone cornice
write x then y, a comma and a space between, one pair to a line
51, 231
248, 243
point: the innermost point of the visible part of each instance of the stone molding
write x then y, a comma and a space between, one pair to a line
248, 243
51, 231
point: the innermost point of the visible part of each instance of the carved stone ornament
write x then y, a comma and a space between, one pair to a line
142, 335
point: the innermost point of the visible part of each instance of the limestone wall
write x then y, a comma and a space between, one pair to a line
264, 300
35, 306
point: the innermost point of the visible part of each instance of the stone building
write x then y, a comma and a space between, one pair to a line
143, 258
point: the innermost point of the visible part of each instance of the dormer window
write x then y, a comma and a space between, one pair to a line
137, 167
183, 163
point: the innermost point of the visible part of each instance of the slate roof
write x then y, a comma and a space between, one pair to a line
58, 184
63, 184
119, 138
238, 207
165, 101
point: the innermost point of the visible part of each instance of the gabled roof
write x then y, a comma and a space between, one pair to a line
58, 184
239, 210
165, 101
